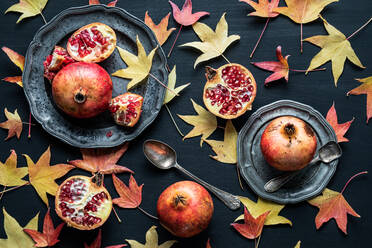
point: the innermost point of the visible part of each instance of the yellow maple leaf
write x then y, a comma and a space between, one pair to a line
13, 124
28, 8
169, 95
213, 43
225, 150
161, 30
138, 66
336, 48
19, 61
16, 237
262, 206
204, 123
152, 240
10, 175
42, 175
298, 245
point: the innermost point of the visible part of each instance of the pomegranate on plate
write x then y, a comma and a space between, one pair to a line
126, 109
288, 143
230, 90
94, 42
185, 208
83, 202
55, 61
82, 90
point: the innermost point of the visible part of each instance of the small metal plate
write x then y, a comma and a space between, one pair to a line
256, 171
100, 131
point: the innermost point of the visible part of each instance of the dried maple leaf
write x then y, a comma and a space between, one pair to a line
138, 66
130, 197
13, 124
204, 123
19, 61
10, 175
169, 95
160, 30
301, 11
340, 129
336, 48
280, 68
365, 88
252, 227
110, 4
151, 241
225, 150
213, 43
14, 232
209, 244
97, 242
49, 236
262, 206
102, 160
298, 245
42, 175
185, 17
28, 8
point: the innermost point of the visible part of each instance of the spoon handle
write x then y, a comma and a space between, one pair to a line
231, 201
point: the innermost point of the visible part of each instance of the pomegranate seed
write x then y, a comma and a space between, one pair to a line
250, 88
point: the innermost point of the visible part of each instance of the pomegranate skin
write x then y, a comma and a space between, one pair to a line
185, 209
82, 90
288, 143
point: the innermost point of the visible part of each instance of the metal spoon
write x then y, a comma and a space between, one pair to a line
164, 157
326, 154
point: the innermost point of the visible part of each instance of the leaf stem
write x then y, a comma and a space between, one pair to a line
116, 214
365, 24
41, 13
319, 69
174, 43
259, 39
259, 239
239, 178
173, 120
347, 183
301, 37
224, 57
146, 213
16, 187
160, 82
2, 193
29, 126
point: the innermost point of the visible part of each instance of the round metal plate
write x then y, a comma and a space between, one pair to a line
256, 171
100, 131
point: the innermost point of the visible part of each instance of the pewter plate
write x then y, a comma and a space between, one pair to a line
256, 171
100, 131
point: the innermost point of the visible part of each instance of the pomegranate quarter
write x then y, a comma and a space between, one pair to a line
126, 109
288, 143
83, 202
230, 90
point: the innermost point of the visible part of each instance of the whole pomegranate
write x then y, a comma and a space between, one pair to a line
230, 90
288, 143
126, 109
55, 61
185, 209
94, 42
82, 202
82, 90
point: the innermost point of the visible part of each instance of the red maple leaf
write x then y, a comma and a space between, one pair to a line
340, 129
185, 17
130, 197
364, 88
49, 236
252, 227
110, 4
102, 160
97, 242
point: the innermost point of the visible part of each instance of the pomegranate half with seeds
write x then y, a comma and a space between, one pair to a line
126, 109
55, 61
83, 203
94, 42
230, 90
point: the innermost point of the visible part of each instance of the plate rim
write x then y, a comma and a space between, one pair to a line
27, 67
256, 114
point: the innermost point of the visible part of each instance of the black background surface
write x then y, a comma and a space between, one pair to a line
316, 89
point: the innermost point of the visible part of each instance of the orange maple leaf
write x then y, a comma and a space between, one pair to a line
19, 61
252, 227
110, 4
365, 88
13, 124
102, 160
97, 242
49, 236
263, 8
130, 197
161, 30
340, 129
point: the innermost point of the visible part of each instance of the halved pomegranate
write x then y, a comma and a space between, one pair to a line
83, 202
126, 109
94, 42
55, 61
230, 90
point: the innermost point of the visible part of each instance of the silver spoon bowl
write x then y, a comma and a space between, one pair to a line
164, 157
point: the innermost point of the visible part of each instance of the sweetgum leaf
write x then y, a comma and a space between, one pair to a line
169, 95
28, 8
10, 175
340, 129
97, 242
263, 8
19, 61
151, 241
364, 89
160, 30
185, 16
252, 227
110, 4
13, 124
130, 197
